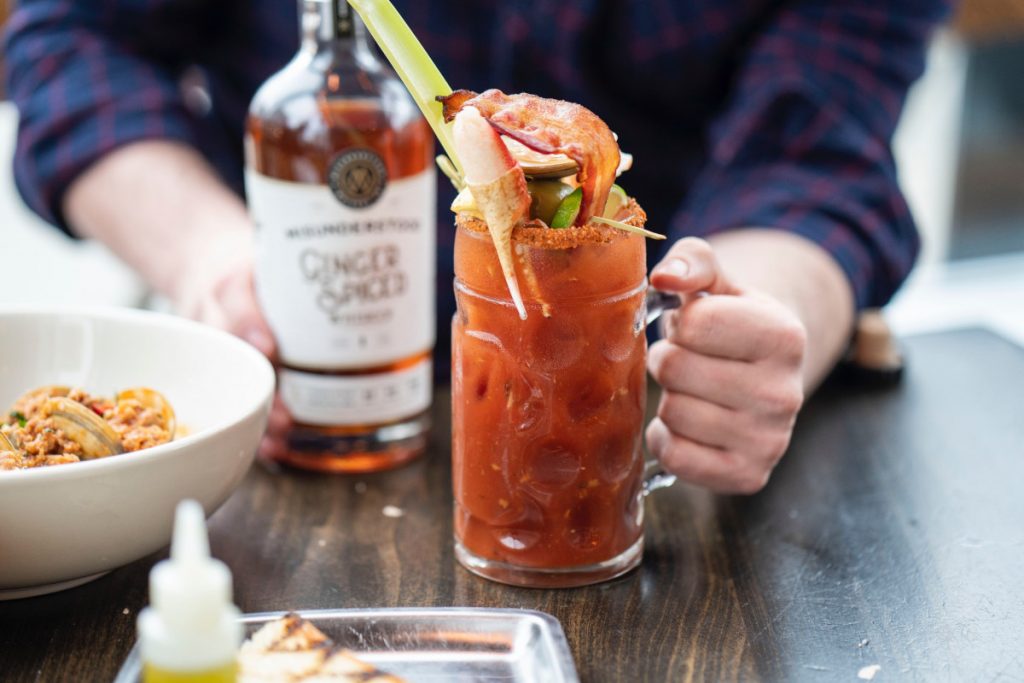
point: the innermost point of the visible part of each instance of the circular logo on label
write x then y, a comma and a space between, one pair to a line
357, 177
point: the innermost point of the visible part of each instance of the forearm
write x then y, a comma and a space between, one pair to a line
801, 275
159, 207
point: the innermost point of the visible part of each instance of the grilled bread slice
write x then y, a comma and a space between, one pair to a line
292, 650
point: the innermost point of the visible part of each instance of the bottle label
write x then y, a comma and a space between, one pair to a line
327, 400
344, 287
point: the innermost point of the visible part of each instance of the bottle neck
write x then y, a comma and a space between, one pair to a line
330, 24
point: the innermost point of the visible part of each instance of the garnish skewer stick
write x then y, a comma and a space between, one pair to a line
412, 63
627, 227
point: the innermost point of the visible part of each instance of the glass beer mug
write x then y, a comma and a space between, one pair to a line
549, 476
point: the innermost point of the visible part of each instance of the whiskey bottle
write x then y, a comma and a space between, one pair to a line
341, 185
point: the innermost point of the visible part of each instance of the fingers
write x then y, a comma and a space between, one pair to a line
280, 420
731, 365
218, 289
761, 389
690, 266
274, 444
720, 470
241, 312
724, 422
737, 327
272, 449
699, 420
699, 464
683, 371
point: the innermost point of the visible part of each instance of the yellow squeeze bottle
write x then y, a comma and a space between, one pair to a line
190, 633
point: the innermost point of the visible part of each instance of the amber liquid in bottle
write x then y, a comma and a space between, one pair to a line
341, 186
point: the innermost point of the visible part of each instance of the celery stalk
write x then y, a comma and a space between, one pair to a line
412, 63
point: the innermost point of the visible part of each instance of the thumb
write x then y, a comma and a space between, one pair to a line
690, 266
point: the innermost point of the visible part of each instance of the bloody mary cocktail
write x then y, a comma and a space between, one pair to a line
548, 347
548, 411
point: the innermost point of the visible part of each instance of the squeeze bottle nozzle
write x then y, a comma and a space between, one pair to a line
191, 625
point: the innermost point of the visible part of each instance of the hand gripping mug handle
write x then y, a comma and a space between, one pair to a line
657, 302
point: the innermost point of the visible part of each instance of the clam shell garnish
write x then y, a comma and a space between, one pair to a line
625, 163
9, 442
46, 391
49, 390
541, 166
551, 166
78, 423
155, 401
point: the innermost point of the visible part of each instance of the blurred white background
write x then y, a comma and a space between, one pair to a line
955, 148
60, 270
966, 192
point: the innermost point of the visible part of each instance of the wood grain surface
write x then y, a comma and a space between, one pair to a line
891, 534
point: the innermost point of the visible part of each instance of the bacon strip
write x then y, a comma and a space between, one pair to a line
551, 127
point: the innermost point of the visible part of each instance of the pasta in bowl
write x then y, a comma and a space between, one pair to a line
90, 481
58, 425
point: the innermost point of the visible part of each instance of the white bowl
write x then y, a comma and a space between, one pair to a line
63, 525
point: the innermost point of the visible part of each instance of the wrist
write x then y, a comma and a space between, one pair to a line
163, 210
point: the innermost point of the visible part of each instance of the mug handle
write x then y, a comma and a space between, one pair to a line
657, 302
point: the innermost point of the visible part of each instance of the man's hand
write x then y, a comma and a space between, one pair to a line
216, 288
186, 233
732, 368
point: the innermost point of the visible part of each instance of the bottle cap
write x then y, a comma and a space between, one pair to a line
191, 623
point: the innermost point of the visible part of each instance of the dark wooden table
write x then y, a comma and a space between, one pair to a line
892, 534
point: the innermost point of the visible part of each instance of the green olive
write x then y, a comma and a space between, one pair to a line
547, 196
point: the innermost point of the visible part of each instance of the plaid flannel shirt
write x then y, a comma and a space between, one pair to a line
773, 113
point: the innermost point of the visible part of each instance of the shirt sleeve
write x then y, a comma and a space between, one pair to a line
90, 76
803, 143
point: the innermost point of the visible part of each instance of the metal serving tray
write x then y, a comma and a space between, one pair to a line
436, 644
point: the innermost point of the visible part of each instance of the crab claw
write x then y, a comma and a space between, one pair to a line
498, 187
